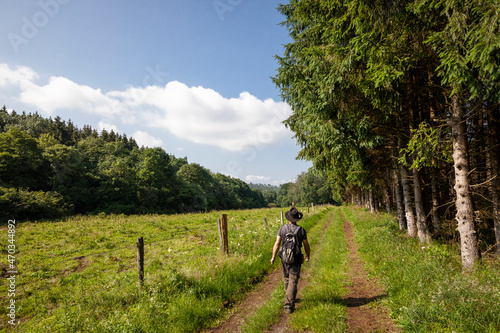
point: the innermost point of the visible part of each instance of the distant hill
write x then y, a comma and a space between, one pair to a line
264, 187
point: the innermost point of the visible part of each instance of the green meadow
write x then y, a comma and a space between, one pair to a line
80, 274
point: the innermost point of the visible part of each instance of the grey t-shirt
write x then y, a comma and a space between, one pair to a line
291, 227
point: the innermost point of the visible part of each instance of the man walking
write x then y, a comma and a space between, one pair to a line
291, 271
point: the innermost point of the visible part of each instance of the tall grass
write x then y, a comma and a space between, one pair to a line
427, 292
80, 274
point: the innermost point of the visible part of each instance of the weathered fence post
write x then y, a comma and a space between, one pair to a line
225, 241
221, 242
265, 221
282, 217
140, 259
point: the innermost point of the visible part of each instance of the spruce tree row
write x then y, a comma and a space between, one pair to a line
397, 102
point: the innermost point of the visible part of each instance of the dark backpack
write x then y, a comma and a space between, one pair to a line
290, 249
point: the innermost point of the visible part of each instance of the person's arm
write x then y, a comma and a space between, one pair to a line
276, 248
307, 249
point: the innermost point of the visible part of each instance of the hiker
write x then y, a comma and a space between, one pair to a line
291, 271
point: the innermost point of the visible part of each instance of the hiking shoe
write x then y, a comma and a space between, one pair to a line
289, 310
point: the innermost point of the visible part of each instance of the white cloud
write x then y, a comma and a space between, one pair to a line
108, 127
204, 116
61, 93
146, 140
22, 76
257, 179
197, 114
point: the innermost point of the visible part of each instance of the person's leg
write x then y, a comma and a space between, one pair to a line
291, 292
286, 279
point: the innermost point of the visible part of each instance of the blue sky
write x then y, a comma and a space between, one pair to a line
190, 76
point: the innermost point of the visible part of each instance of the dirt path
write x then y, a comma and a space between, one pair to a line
281, 326
252, 301
363, 313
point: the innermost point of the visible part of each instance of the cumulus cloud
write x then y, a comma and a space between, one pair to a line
22, 76
203, 116
108, 127
200, 115
61, 93
147, 140
257, 179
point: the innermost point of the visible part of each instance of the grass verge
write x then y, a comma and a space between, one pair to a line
427, 292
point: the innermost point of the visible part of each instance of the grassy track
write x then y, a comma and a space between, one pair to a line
321, 308
268, 314
80, 274
426, 290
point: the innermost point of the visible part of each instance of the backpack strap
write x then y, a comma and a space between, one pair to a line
297, 241
296, 232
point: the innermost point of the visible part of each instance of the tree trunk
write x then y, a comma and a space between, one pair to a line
399, 197
435, 201
494, 164
372, 200
422, 230
387, 195
410, 215
465, 212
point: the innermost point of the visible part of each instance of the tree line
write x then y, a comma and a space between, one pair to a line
50, 168
310, 187
398, 103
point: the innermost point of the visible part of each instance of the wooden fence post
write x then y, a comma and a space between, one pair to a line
140, 259
225, 241
265, 221
282, 217
221, 241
